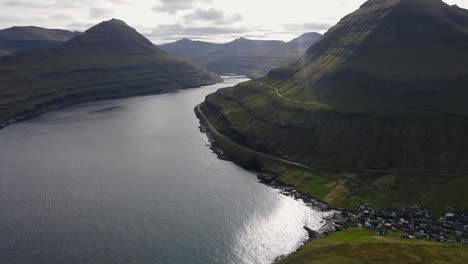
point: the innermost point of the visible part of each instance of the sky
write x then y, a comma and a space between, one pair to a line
164, 21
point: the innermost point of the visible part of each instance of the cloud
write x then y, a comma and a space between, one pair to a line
97, 12
174, 6
119, 2
212, 15
63, 17
311, 26
40, 4
80, 26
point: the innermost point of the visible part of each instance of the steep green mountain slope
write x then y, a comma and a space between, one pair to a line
29, 38
253, 58
382, 97
109, 60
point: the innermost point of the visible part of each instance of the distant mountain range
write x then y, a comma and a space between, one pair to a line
109, 60
383, 91
28, 38
253, 58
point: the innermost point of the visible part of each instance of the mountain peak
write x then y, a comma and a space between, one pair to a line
114, 35
112, 26
240, 40
241, 43
185, 40
414, 3
391, 45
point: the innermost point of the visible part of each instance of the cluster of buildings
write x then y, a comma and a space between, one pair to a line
413, 223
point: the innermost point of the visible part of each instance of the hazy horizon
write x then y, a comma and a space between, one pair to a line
164, 21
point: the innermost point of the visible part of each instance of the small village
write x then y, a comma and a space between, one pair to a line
413, 223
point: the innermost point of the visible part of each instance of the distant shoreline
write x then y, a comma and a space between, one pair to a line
63, 103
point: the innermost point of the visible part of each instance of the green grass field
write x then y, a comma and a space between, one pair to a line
363, 246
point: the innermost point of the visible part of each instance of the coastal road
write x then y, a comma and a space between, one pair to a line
289, 162
377, 170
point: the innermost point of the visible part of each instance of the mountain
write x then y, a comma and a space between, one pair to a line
110, 60
381, 96
28, 38
253, 58
398, 47
304, 41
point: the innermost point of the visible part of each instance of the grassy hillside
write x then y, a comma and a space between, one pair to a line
110, 60
253, 58
363, 246
393, 54
379, 104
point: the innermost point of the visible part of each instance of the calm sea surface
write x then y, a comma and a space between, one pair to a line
133, 181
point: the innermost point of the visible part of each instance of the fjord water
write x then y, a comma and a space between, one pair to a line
133, 181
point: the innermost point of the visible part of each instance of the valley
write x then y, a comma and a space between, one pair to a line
253, 58
346, 144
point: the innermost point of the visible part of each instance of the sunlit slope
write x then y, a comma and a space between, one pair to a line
386, 88
109, 60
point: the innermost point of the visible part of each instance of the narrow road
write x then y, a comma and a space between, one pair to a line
297, 164
371, 170
285, 98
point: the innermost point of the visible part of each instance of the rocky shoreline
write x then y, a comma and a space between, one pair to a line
330, 223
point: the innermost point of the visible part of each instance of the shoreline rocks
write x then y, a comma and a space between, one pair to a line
270, 180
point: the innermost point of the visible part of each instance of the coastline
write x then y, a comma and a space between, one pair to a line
62, 103
269, 179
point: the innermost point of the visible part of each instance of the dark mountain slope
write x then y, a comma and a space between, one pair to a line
384, 89
28, 38
109, 60
387, 47
242, 56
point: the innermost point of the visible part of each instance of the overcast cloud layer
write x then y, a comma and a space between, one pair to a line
168, 20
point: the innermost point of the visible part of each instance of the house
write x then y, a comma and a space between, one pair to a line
420, 235
450, 216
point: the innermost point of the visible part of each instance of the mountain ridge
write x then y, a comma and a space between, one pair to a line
242, 56
30, 37
110, 60
115, 35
